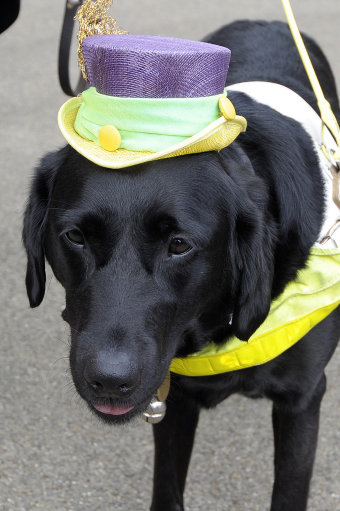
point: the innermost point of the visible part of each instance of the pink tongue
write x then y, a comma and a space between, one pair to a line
113, 410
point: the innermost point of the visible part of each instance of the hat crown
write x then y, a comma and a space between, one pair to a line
154, 67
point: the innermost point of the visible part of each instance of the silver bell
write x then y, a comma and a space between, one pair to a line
155, 412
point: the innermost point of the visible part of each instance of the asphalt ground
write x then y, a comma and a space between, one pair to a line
54, 455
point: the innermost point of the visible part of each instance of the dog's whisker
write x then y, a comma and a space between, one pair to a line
68, 386
62, 358
49, 283
57, 209
66, 342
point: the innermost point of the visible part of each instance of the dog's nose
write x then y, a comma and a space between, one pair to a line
111, 376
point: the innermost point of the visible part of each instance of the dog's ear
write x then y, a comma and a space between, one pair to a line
35, 223
251, 245
255, 237
255, 263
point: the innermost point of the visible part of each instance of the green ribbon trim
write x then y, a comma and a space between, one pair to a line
145, 124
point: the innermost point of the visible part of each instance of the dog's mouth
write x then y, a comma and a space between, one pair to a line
117, 413
147, 403
110, 409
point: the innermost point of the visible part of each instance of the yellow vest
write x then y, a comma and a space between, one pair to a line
303, 304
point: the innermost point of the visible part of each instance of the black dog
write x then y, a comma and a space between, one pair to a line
155, 259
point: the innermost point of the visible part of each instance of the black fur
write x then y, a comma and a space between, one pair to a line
245, 219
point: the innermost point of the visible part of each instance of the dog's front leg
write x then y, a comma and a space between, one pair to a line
295, 436
174, 438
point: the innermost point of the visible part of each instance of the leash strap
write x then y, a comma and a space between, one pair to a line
64, 50
327, 115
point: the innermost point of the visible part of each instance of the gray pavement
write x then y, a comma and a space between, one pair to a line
54, 455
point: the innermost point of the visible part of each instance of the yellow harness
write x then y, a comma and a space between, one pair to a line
304, 303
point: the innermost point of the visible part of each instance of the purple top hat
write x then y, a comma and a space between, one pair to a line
154, 67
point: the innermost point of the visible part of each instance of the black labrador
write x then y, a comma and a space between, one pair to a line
155, 259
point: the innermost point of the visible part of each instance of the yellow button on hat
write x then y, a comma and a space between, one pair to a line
227, 108
109, 138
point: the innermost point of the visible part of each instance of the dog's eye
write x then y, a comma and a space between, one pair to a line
179, 246
75, 237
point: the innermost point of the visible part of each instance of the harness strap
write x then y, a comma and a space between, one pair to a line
327, 115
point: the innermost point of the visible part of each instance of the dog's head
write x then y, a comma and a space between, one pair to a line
153, 259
